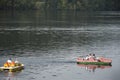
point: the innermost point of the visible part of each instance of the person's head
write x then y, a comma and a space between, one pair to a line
93, 54
89, 54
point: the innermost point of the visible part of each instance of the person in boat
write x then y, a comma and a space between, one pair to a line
94, 56
88, 56
16, 61
9, 60
9, 63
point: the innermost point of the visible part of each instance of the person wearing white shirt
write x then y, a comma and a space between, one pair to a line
9, 60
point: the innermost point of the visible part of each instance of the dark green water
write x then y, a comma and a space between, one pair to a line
48, 43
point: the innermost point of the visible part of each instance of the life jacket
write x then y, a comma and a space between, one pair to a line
6, 64
12, 64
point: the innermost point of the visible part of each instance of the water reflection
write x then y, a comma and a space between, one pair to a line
9, 75
92, 68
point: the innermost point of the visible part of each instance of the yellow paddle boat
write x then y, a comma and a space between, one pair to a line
12, 66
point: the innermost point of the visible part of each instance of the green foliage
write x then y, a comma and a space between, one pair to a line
17, 4
94, 63
61, 4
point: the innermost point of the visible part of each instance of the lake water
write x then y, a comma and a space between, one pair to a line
48, 43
